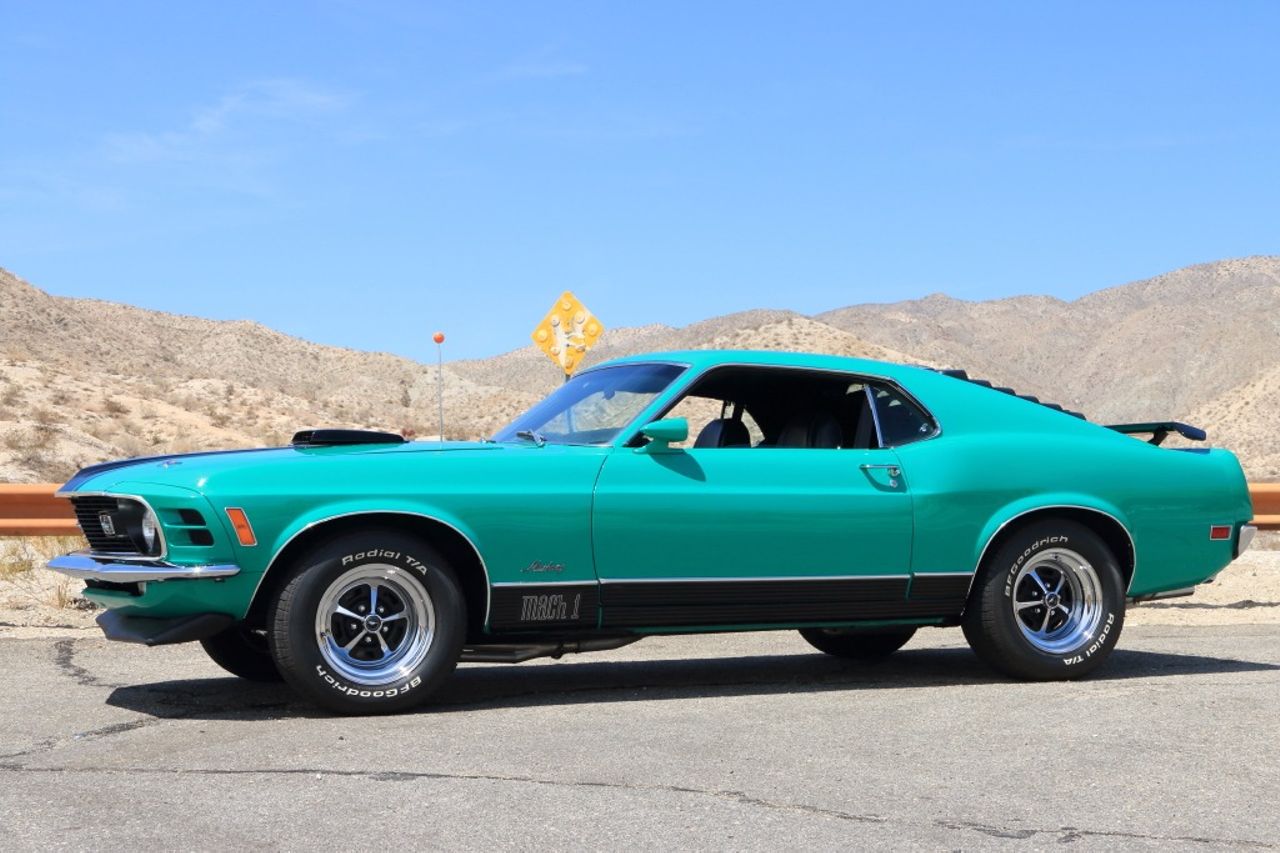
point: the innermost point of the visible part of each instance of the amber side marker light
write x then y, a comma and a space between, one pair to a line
1220, 532
244, 530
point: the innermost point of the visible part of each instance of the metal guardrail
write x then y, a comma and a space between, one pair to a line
1266, 505
32, 510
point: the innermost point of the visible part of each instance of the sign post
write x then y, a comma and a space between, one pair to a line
438, 337
567, 332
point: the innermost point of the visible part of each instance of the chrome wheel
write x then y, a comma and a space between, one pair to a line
1058, 601
375, 624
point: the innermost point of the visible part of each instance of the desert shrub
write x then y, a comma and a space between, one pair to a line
132, 445
11, 397
113, 406
43, 434
32, 458
17, 439
26, 587
16, 557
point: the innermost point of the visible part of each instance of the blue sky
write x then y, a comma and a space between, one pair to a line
362, 173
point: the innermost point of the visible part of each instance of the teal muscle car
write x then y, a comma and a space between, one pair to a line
855, 501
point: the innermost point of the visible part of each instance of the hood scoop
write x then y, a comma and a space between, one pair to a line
332, 437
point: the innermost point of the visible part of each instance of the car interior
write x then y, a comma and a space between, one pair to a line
778, 407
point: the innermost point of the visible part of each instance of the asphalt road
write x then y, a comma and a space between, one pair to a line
734, 741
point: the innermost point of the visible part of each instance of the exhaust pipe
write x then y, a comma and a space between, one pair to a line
521, 652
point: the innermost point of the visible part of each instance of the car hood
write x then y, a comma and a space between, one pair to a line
193, 470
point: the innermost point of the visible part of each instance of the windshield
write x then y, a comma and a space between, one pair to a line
594, 407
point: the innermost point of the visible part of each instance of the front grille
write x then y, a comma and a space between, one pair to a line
89, 511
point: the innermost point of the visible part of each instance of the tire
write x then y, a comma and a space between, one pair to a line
1048, 604
419, 638
857, 645
243, 652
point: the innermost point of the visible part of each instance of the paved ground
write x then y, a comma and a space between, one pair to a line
740, 741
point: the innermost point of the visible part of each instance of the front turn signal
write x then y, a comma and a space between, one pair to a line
244, 530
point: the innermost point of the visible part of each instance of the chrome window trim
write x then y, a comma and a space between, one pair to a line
1132, 545
507, 584
139, 558
875, 413
488, 587
611, 365
87, 566
865, 378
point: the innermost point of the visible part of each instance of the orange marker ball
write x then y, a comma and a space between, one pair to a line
438, 337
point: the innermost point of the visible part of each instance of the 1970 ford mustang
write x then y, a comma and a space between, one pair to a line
855, 501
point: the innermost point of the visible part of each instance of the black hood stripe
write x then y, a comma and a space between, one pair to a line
86, 474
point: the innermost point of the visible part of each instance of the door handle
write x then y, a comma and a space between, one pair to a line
893, 470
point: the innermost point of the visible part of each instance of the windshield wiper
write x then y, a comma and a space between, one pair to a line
533, 435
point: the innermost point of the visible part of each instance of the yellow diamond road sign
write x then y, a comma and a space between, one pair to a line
567, 332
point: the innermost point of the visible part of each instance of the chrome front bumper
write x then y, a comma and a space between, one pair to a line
85, 566
1245, 539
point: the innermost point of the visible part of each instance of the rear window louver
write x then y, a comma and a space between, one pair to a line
964, 375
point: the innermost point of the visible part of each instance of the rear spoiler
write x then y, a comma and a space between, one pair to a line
1160, 430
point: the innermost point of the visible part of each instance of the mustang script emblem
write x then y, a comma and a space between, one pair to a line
108, 526
539, 567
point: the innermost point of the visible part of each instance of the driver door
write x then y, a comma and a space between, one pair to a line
757, 535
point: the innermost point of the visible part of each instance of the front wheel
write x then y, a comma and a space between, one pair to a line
369, 624
1048, 604
857, 645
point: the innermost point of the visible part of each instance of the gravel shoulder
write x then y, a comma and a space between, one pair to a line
735, 741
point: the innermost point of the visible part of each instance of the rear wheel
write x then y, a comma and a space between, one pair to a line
857, 645
243, 652
1048, 604
370, 623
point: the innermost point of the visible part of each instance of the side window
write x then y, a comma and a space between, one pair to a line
704, 416
901, 421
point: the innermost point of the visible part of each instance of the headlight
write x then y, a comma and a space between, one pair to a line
150, 534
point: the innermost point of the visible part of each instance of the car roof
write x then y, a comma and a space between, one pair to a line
701, 359
958, 404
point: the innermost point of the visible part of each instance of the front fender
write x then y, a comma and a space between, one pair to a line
345, 509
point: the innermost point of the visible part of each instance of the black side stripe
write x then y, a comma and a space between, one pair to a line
941, 586
746, 602
638, 604
750, 592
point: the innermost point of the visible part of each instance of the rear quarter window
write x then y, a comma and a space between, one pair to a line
901, 421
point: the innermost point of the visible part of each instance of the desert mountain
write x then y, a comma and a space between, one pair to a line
83, 380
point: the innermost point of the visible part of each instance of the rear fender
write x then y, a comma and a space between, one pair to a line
1010, 514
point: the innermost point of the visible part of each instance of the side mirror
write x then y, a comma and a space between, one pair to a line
662, 433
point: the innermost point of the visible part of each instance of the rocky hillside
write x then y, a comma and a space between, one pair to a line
82, 380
